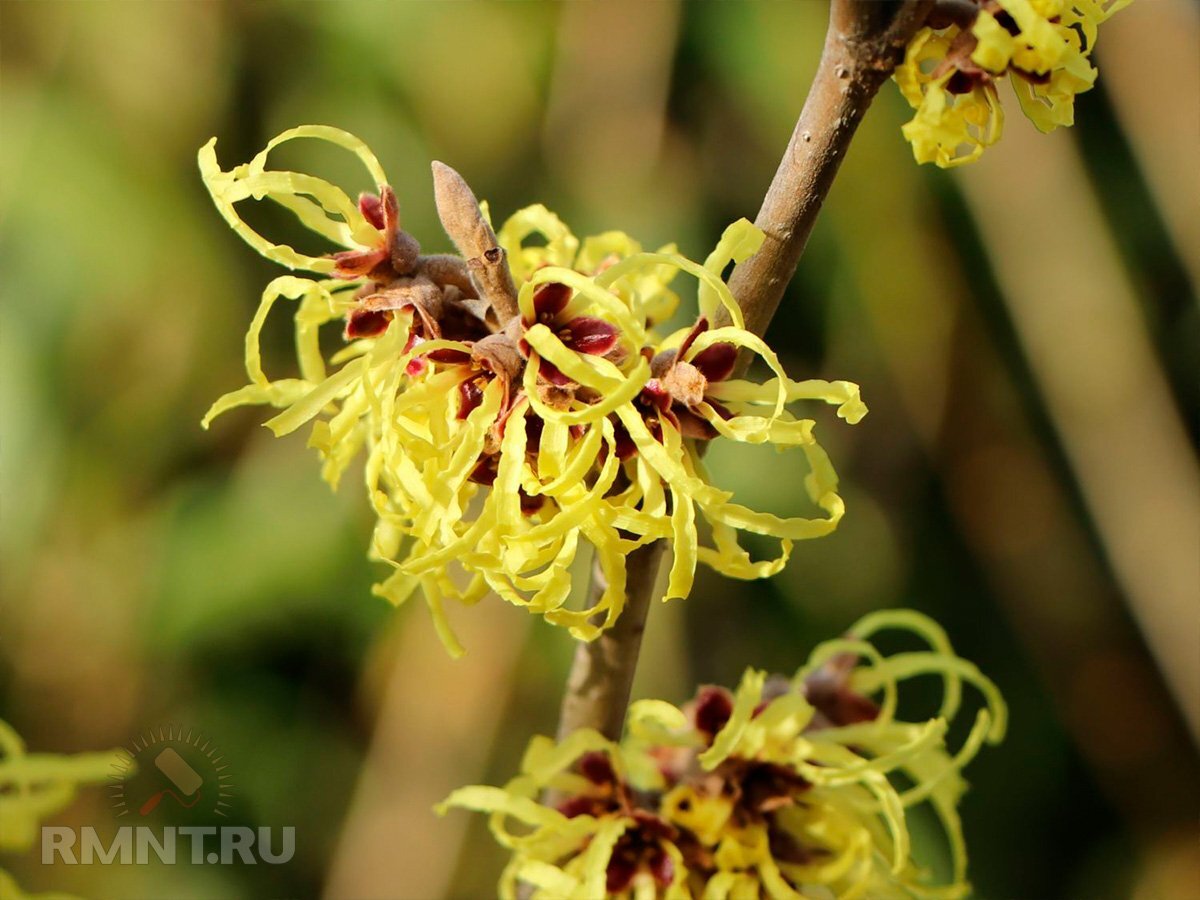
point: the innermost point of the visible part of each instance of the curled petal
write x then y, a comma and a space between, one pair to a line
319, 205
558, 250
739, 242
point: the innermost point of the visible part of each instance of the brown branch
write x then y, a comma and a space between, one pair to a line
602, 671
866, 39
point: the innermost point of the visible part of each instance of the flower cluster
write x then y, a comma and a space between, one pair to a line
950, 70
35, 787
786, 788
514, 403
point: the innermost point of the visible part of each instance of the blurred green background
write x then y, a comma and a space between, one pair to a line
1025, 332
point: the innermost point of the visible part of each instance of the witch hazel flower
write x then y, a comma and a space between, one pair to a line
514, 404
691, 399
589, 335
785, 788
951, 70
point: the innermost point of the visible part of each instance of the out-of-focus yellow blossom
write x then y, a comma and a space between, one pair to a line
949, 73
496, 450
36, 786
786, 788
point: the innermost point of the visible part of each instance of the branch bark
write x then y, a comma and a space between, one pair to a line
602, 672
865, 41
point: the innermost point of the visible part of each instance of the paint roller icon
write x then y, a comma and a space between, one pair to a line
180, 774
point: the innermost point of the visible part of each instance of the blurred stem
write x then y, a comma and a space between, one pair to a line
865, 41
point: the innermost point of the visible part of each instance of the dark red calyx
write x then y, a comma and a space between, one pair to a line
828, 690
577, 806
548, 371
597, 768
530, 504
485, 471
714, 706
698, 329
549, 300
662, 867
694, 426
367, 323
960, 83
534, 426
716, 362
625, 447
654, 396
621, 869
786, 848
449, 356
652, 826
721, 410
641, 847
587, 334
470, 396
358, 263
372, 209
766, 787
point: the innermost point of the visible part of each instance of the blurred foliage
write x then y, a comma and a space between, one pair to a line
155, 573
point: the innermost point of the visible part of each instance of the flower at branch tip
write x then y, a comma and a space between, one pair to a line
515, 404
950, 70
786, 788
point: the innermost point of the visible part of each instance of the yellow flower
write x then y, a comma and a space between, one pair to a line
949, 74
321, 206
951, 129
35, 787
957, 118
1027, 39
598, 842
496, 450
786, 788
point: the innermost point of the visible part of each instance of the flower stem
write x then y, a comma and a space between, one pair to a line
865, 41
